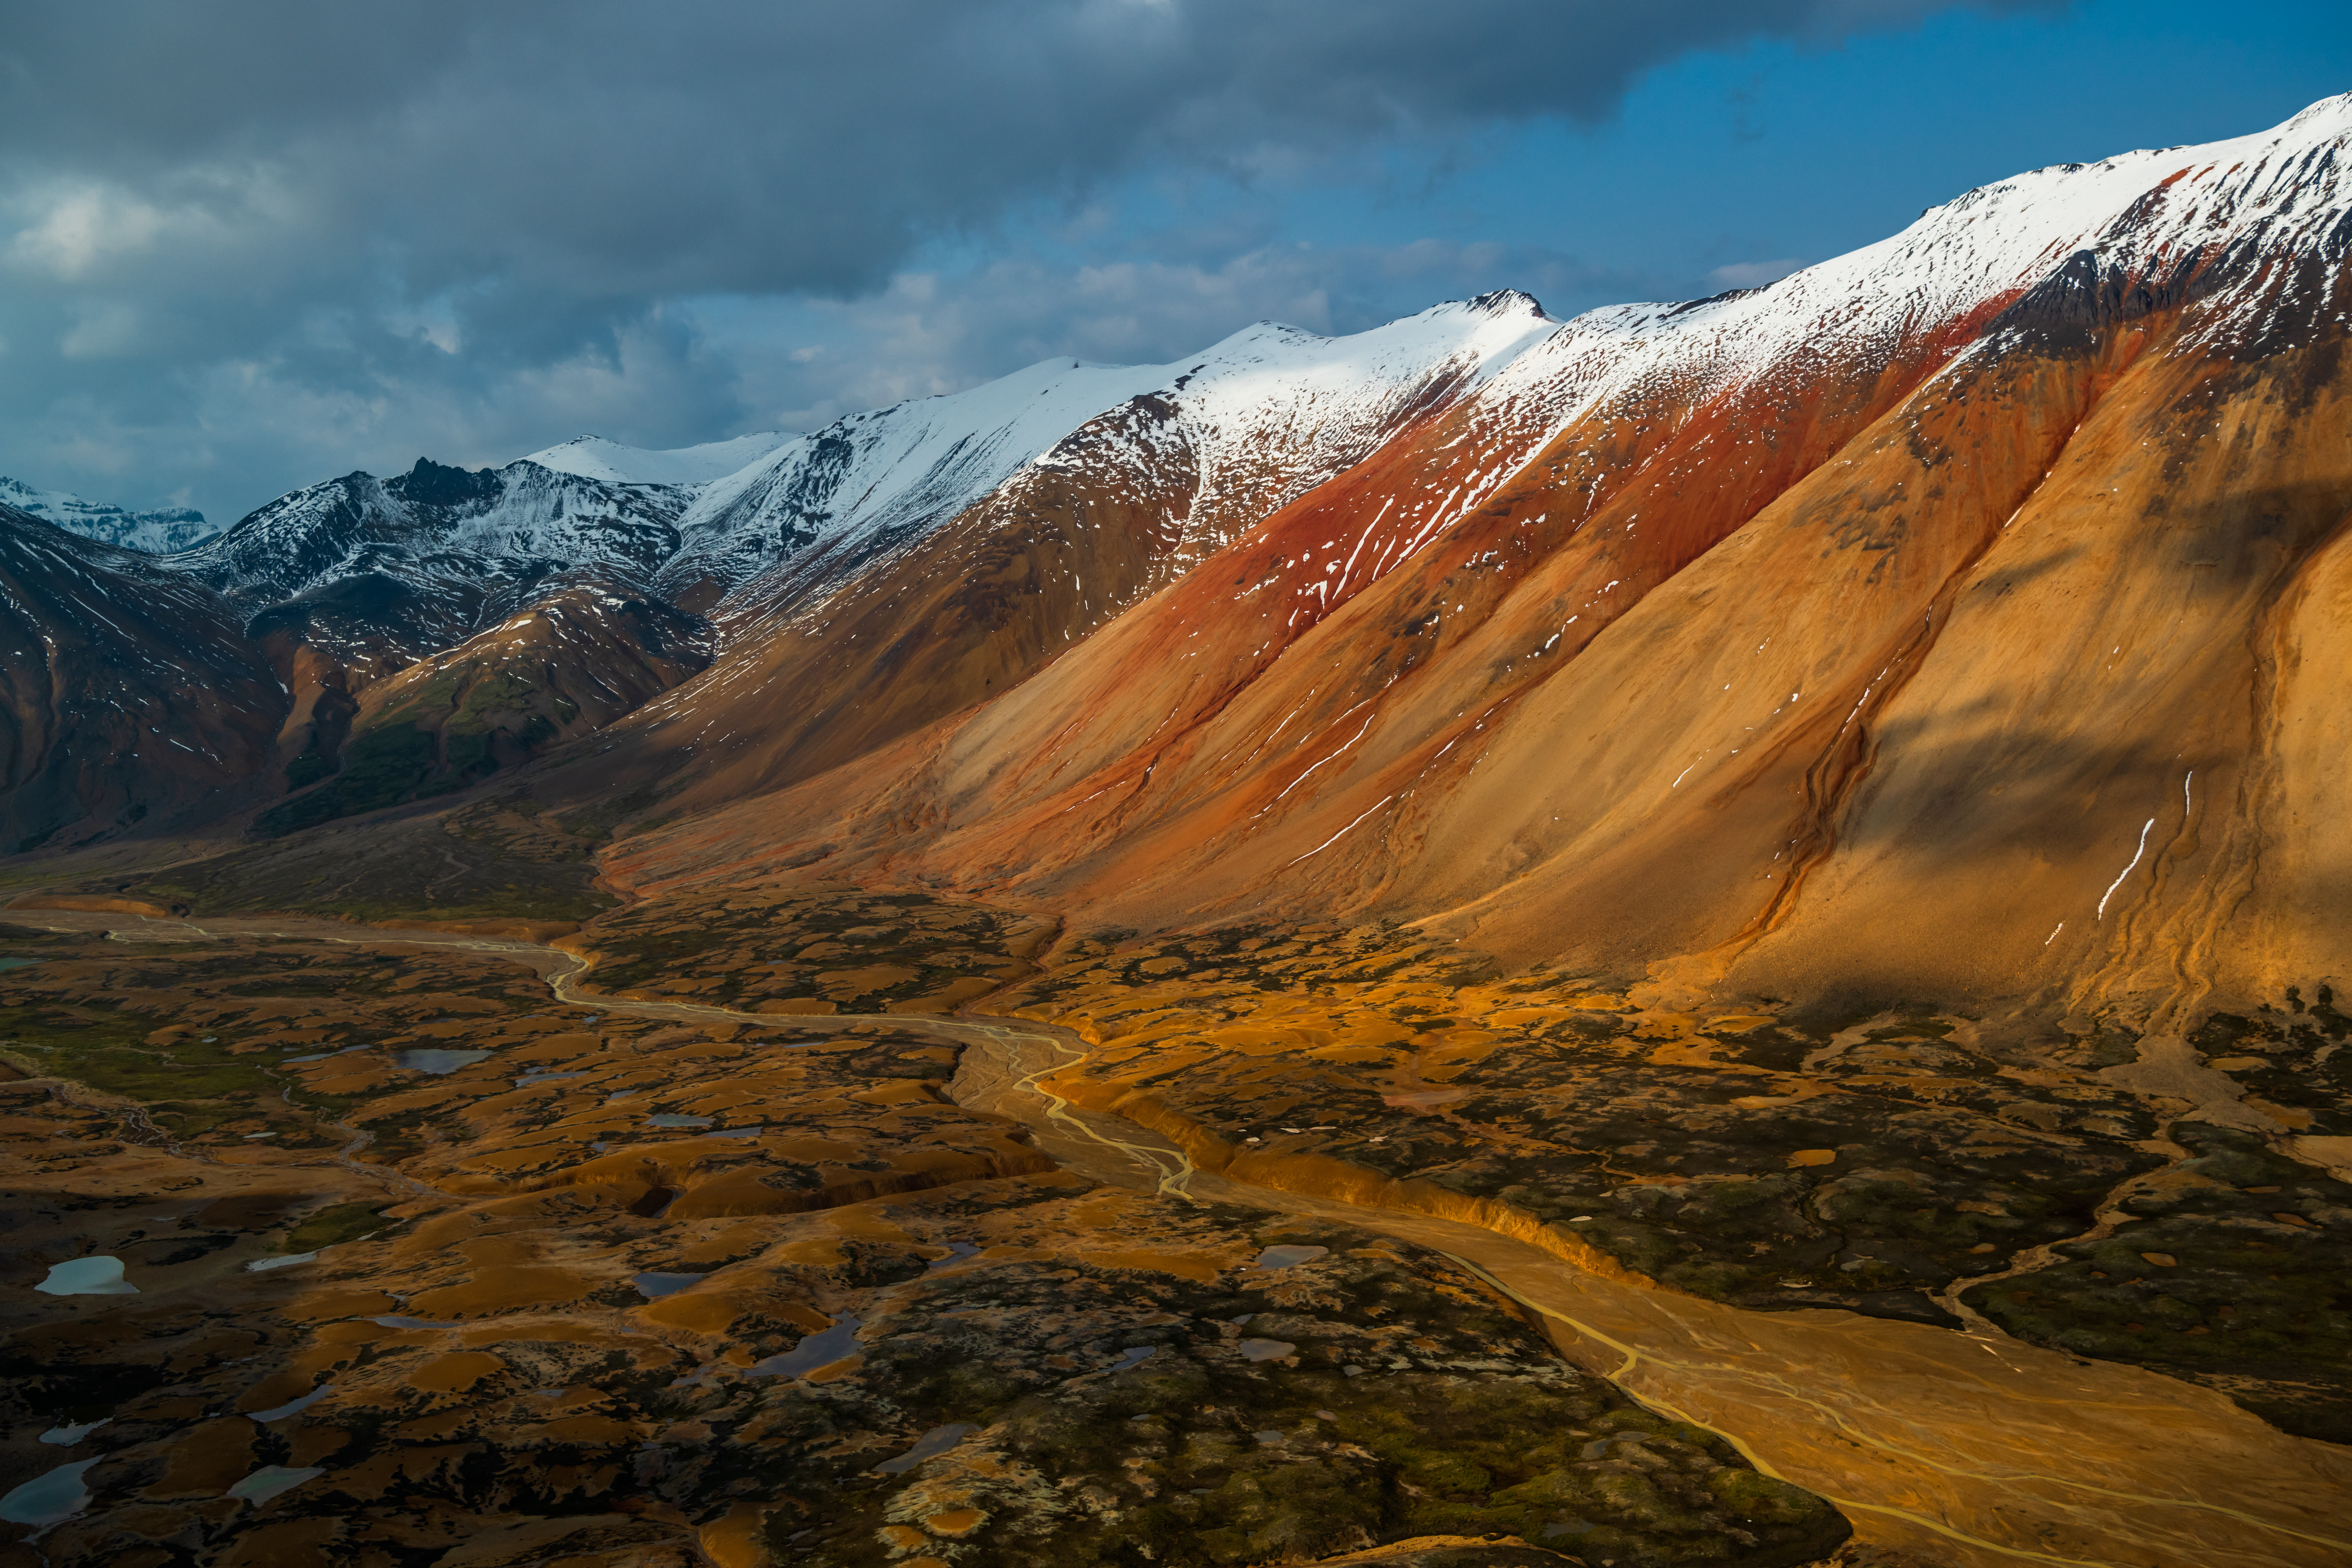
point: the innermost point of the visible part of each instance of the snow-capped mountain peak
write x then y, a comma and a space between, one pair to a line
157, 533
1275, 408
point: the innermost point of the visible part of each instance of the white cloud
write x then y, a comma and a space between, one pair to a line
242, 246
107, 328
1755, 273
72, 230
802, 363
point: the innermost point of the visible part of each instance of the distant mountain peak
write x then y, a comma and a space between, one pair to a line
157, 533
1506, 302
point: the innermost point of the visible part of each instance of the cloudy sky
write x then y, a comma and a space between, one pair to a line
246, 245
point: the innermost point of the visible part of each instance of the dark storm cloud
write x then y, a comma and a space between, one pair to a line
239, 235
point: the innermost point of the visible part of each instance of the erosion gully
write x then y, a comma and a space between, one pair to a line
1971, 1447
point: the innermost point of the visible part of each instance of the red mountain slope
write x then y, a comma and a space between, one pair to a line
1850, 633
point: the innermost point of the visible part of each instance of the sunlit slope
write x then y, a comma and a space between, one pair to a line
819, 665
1863, 633
2117, 773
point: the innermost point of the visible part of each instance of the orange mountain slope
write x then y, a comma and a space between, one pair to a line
1950, 618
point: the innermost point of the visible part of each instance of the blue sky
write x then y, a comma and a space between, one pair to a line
439, 251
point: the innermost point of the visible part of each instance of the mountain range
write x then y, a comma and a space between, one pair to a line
1951, 617
157, 533
1667, 937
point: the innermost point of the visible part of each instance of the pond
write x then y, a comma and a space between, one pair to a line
66, 1436
813, 1352
264, 1265
930, 1446
98, 1275
1288, 1256
271, 1481
49, 1499
436, 1061
292, 1406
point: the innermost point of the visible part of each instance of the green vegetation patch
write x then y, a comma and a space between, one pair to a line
456, 728
740, 948
491, 860
334, 1225
381, 767
109, 1052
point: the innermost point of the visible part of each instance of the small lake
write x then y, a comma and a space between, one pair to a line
271, 1481
95, 1276
1288, 1256
67, 1435
930, 1446
813, 1352
436, 1061
292, 1406
49, 1499
264, 1265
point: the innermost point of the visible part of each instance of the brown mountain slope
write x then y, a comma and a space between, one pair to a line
578, 658
978, 607
1162, 759
2112, 774
127, 693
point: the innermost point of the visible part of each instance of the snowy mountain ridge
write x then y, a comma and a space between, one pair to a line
594, 458
157, 533
1270, 410
2263, 219
1265, 414
837, 590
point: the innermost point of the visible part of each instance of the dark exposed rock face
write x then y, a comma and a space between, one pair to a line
128, 696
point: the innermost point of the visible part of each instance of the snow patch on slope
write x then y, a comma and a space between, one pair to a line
594, 458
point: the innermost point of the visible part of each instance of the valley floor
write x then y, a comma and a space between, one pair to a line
807, 1223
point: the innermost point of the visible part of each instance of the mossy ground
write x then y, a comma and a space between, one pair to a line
1758, 1157
1403, 1401
2240, 1277
335, 1225
503, 859
829, 943
1775, 1156
200, 1035
1690, 1147
1361, 1395
449, 733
